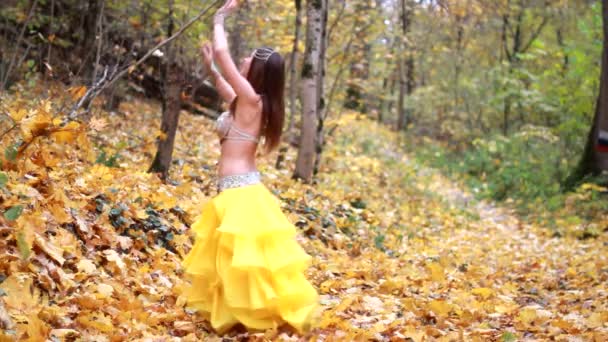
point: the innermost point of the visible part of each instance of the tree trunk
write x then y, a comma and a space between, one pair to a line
458, 62
559, 35
238, 40
293, 84
401, 114
595, 155
321, 109
173, 79
88, 43
293, 79
359, 69
170, 119
406, 66
311, 72
387, 83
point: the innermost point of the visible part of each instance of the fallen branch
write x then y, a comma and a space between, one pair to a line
89, 95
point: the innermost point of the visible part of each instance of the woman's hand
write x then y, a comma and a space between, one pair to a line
229, 7
207, 53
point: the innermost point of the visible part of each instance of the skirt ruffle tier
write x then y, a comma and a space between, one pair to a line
246, 266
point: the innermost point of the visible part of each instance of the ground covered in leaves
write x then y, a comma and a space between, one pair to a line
91, 244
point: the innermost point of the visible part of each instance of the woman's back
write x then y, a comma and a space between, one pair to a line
239, 137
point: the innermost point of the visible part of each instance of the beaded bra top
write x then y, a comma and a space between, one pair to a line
225, 124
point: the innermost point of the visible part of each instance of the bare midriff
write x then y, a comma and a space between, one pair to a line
237, 157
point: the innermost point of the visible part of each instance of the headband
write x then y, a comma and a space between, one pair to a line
263, 53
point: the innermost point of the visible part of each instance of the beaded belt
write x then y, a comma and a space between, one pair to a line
236, 181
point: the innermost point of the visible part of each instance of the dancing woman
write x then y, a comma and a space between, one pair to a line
245, 266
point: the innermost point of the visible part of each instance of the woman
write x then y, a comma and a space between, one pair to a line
245, 265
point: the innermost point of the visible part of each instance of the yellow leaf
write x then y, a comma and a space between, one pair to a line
18, 114
37, 329
86, 266
483, 292
77, 92
162, 136
440, 307
597, 320
571, 272
115, 259
35, 123
50, 249
68, 133
527, 316
63, 334
21, 294
437, 272
104, 291
59, 213
97, 124
97, 321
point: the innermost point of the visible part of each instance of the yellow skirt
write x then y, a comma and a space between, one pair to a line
246, 266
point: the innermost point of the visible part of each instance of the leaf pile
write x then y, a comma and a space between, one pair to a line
91, 243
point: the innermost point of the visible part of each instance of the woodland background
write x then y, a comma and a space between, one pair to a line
415, 130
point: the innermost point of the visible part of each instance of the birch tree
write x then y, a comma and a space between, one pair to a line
311, 81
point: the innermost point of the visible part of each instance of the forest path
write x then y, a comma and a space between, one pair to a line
399, 251
456, 268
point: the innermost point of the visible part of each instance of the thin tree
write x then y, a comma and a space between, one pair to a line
293, 82
293, 79
321, 110
595, 155
514, 45
405, 64
311, 96
174, 78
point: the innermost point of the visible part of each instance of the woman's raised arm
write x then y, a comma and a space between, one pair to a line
221, 54
223, 88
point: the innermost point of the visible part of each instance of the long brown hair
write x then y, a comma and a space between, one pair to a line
267, 77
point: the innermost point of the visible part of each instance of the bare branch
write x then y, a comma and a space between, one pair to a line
89, 96
161, 44
108, 80
99, 41
15, 124
336, 21
12, 62
535, 34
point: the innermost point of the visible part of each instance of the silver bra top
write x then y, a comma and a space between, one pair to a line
225, 124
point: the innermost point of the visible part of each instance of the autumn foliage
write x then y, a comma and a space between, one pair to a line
91, 244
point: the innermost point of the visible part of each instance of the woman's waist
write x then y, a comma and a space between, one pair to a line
235, 168
237, 180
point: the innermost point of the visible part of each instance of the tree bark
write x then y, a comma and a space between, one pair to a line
406, 66
321, 109
170, 119
293, 84
595, 155
238, 41
311, 102
359, 68
173, 81
92, 19
293, 79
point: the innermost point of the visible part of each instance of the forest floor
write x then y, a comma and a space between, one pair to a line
91, 243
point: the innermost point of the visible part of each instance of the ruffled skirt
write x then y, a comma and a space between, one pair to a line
246, 266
